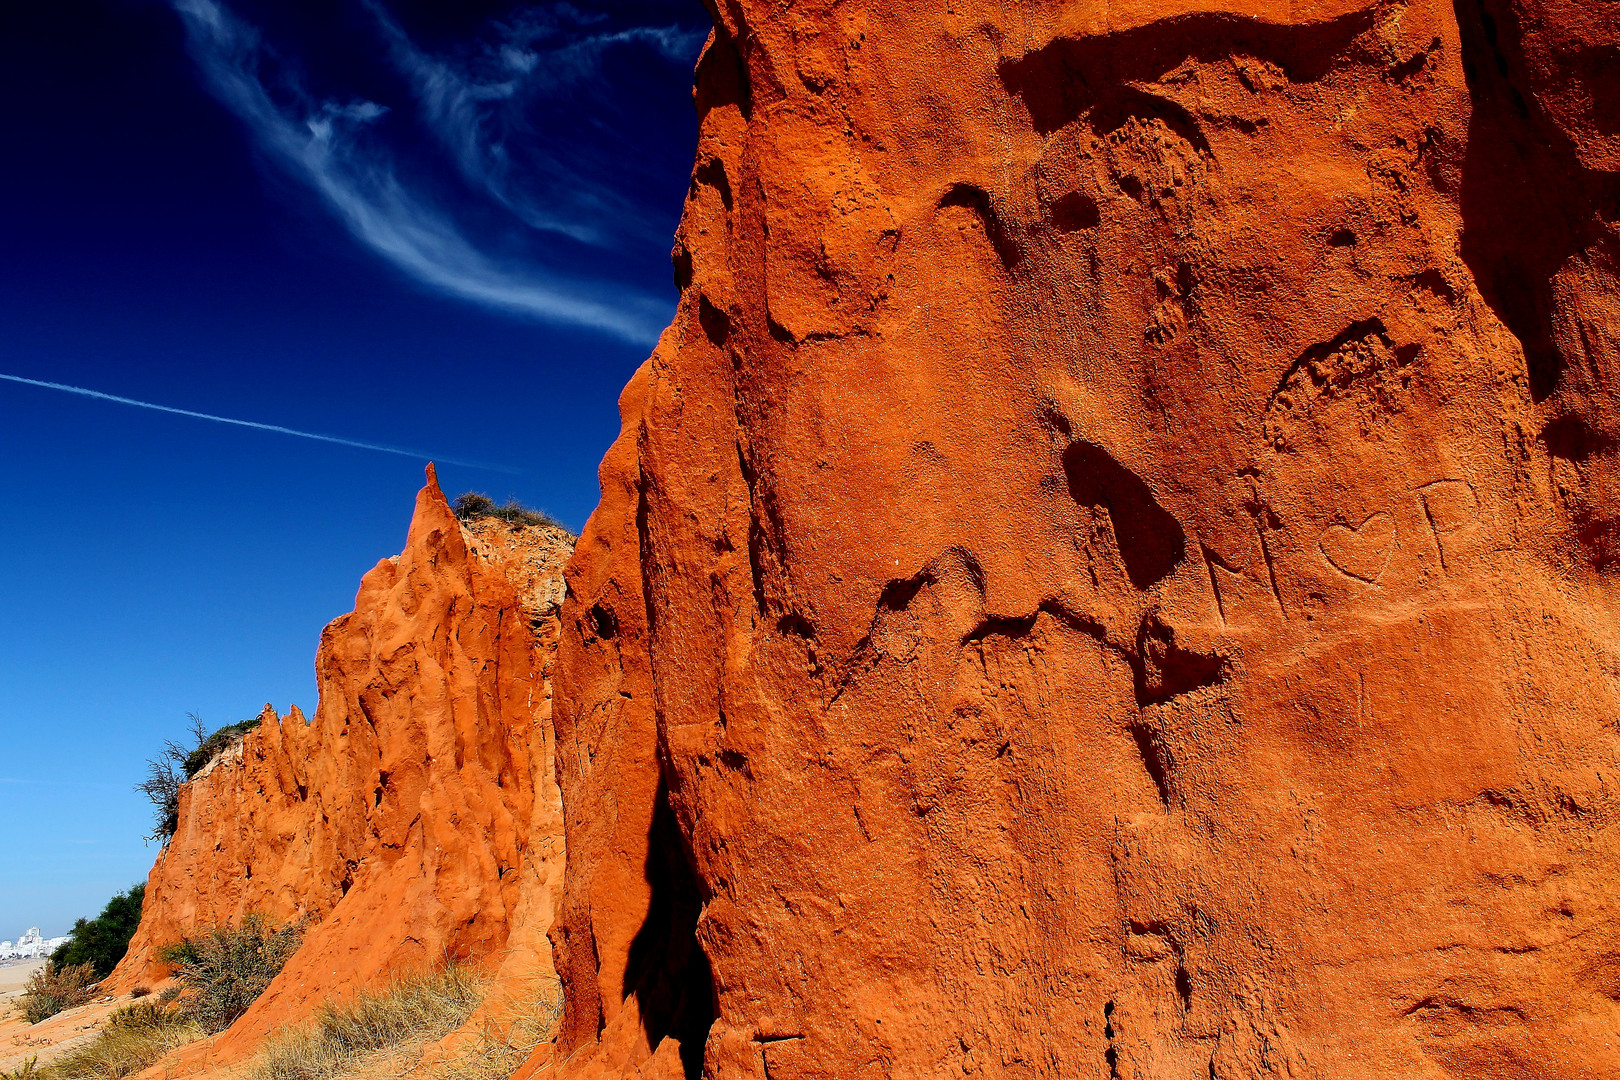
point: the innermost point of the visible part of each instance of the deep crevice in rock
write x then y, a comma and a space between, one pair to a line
667, 972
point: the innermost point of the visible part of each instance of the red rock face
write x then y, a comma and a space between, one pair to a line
1111, 571
417, 817
247, 841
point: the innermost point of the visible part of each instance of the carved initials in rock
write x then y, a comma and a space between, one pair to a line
1448, 505
1363, 551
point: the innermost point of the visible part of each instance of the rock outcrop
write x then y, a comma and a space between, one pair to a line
417, 817
249, 840
1110, 572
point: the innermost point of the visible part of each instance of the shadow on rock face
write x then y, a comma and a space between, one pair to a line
1151, 541
668, 973
1540, 194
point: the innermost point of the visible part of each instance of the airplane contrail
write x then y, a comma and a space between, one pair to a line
277, 428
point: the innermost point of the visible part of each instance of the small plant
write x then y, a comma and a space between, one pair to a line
414, 1011
142, 1016
28, 1070
472, 505
139, 991
133, 1038
102, 942
223, 970
52, 989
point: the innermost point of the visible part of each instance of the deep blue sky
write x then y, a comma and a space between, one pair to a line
441, 226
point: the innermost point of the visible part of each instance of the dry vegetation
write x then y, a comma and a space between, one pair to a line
385, 1032
413, 1012
377, 1034
52, 989
133, 1038
508, 1040
473, 505
28, 1070
219, 973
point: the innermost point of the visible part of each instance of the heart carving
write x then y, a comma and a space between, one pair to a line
1361, 552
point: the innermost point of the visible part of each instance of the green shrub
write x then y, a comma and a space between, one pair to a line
52, 989
472, 505
222, 970
176, 764
102, 942
216, 744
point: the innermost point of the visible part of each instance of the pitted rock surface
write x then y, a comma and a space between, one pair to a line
1110, 572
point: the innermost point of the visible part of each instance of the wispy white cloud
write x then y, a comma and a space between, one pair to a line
276, 428
320, 142
477, 107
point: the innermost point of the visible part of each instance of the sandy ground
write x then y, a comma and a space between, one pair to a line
12, 976
47, 1039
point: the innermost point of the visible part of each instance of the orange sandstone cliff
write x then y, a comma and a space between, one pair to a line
1111, 570
417, 818
1111, 573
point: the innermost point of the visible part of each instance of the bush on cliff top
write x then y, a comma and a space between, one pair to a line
177, 764
472, 505
102, 941
222, 970
216, 744
52, 989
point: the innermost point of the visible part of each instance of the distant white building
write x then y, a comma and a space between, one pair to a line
30, 946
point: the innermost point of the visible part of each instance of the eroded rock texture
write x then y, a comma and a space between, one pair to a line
247, 841
1111, 571
417, 818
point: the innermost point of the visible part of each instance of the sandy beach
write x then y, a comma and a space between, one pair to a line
14, 975
20, 1041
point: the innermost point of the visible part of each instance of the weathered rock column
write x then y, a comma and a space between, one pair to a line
1091, 583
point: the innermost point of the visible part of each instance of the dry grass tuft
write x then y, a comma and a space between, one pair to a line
414, 1011
52, 989
133, 1038
28, 1070
501, 1047
472, 505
